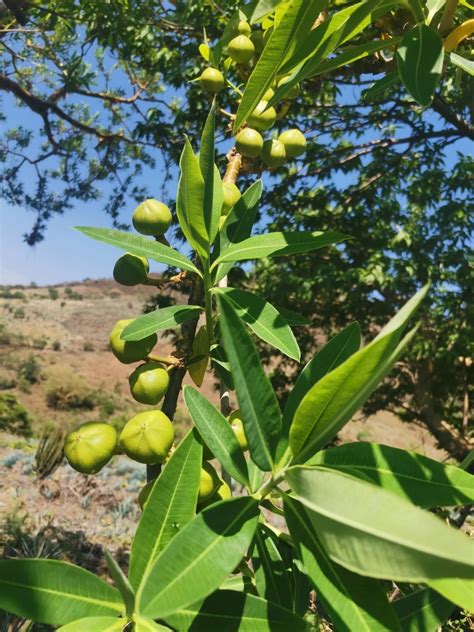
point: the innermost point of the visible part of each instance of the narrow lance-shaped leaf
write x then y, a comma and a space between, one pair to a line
278, 244
143, 624
373, 532
140, 246
232, 610
261, 415
421, 480
170, 506
190, 201
264, 320
271, 575
199, 557
121, 582
353, 602
332, 401
199, 359
54, 592
213, 194
216, 434
420, 62
160, 319
422, 610
94, 624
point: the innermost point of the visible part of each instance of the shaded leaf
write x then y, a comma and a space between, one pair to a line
199, 359
121, 582
422, 611
271, 575
213, 193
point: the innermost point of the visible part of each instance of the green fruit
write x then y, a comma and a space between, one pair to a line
131, 270
149, 383
294, 91
148, 437
208, 483
212, 80
152, 218
235, 420
144, 493
294, 141
223, 492
273, 153
231, 196
268, 95
241, 49
258, 41
249, 143
262, 117
244, 27
90, 447
129, 351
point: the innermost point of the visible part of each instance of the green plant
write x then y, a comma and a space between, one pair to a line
14, 417
53, 293
29, 369
65, 390
56, 346
19, 313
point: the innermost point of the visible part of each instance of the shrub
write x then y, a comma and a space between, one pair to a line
19, 313
56, 345
14, 417
30, 370
12, 295
7, 382
88, 346
53, 293
39, 343
65, 390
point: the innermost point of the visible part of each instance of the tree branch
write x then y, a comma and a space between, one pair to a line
442, 108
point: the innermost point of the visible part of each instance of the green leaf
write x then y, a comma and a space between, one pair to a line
213, 193
264, 320
171, 505
353, 602
463, 63
140, 246
143, 624
271, 574
233, 610
256, 476
456, 589
238, 224
94, 624
54, 592
422, 611
332, 401
382, 85
375, 533
160, 319
261, 415
293, 318
278, 244
199, 558
421, 480
121, 582
416, 7
263, 8
190, 201
420, 62
217, 434
299, 17
334, 353
433, 6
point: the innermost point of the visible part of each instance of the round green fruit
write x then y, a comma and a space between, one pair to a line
241, 49
147, 437
235, 420
268, 94
223, 492
258, 41
131, 270
149, 383
212, 80
129, 351
294, 141
293, 92
249, 143
90, 447
273, 153
231, 196
152, 218
263, 117
244, 27
144, 493
208, 483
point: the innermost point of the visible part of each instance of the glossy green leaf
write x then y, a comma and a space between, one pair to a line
216, 434
279, 244
239, 223
160, 319
170, 506
459, 590
261, 415
121, 582
190, 201
422, 611
416, 7
143, 624
421, 480
293, 318
375, 533
256, 476
334, 353
54, 592
199, 558
271, 575
280, 44
352, 601
94, 624
140, 246
420, 62
213, 193
462, 62
264, 320
382, 85
332, 401
433, 6
263, 8
233, 610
